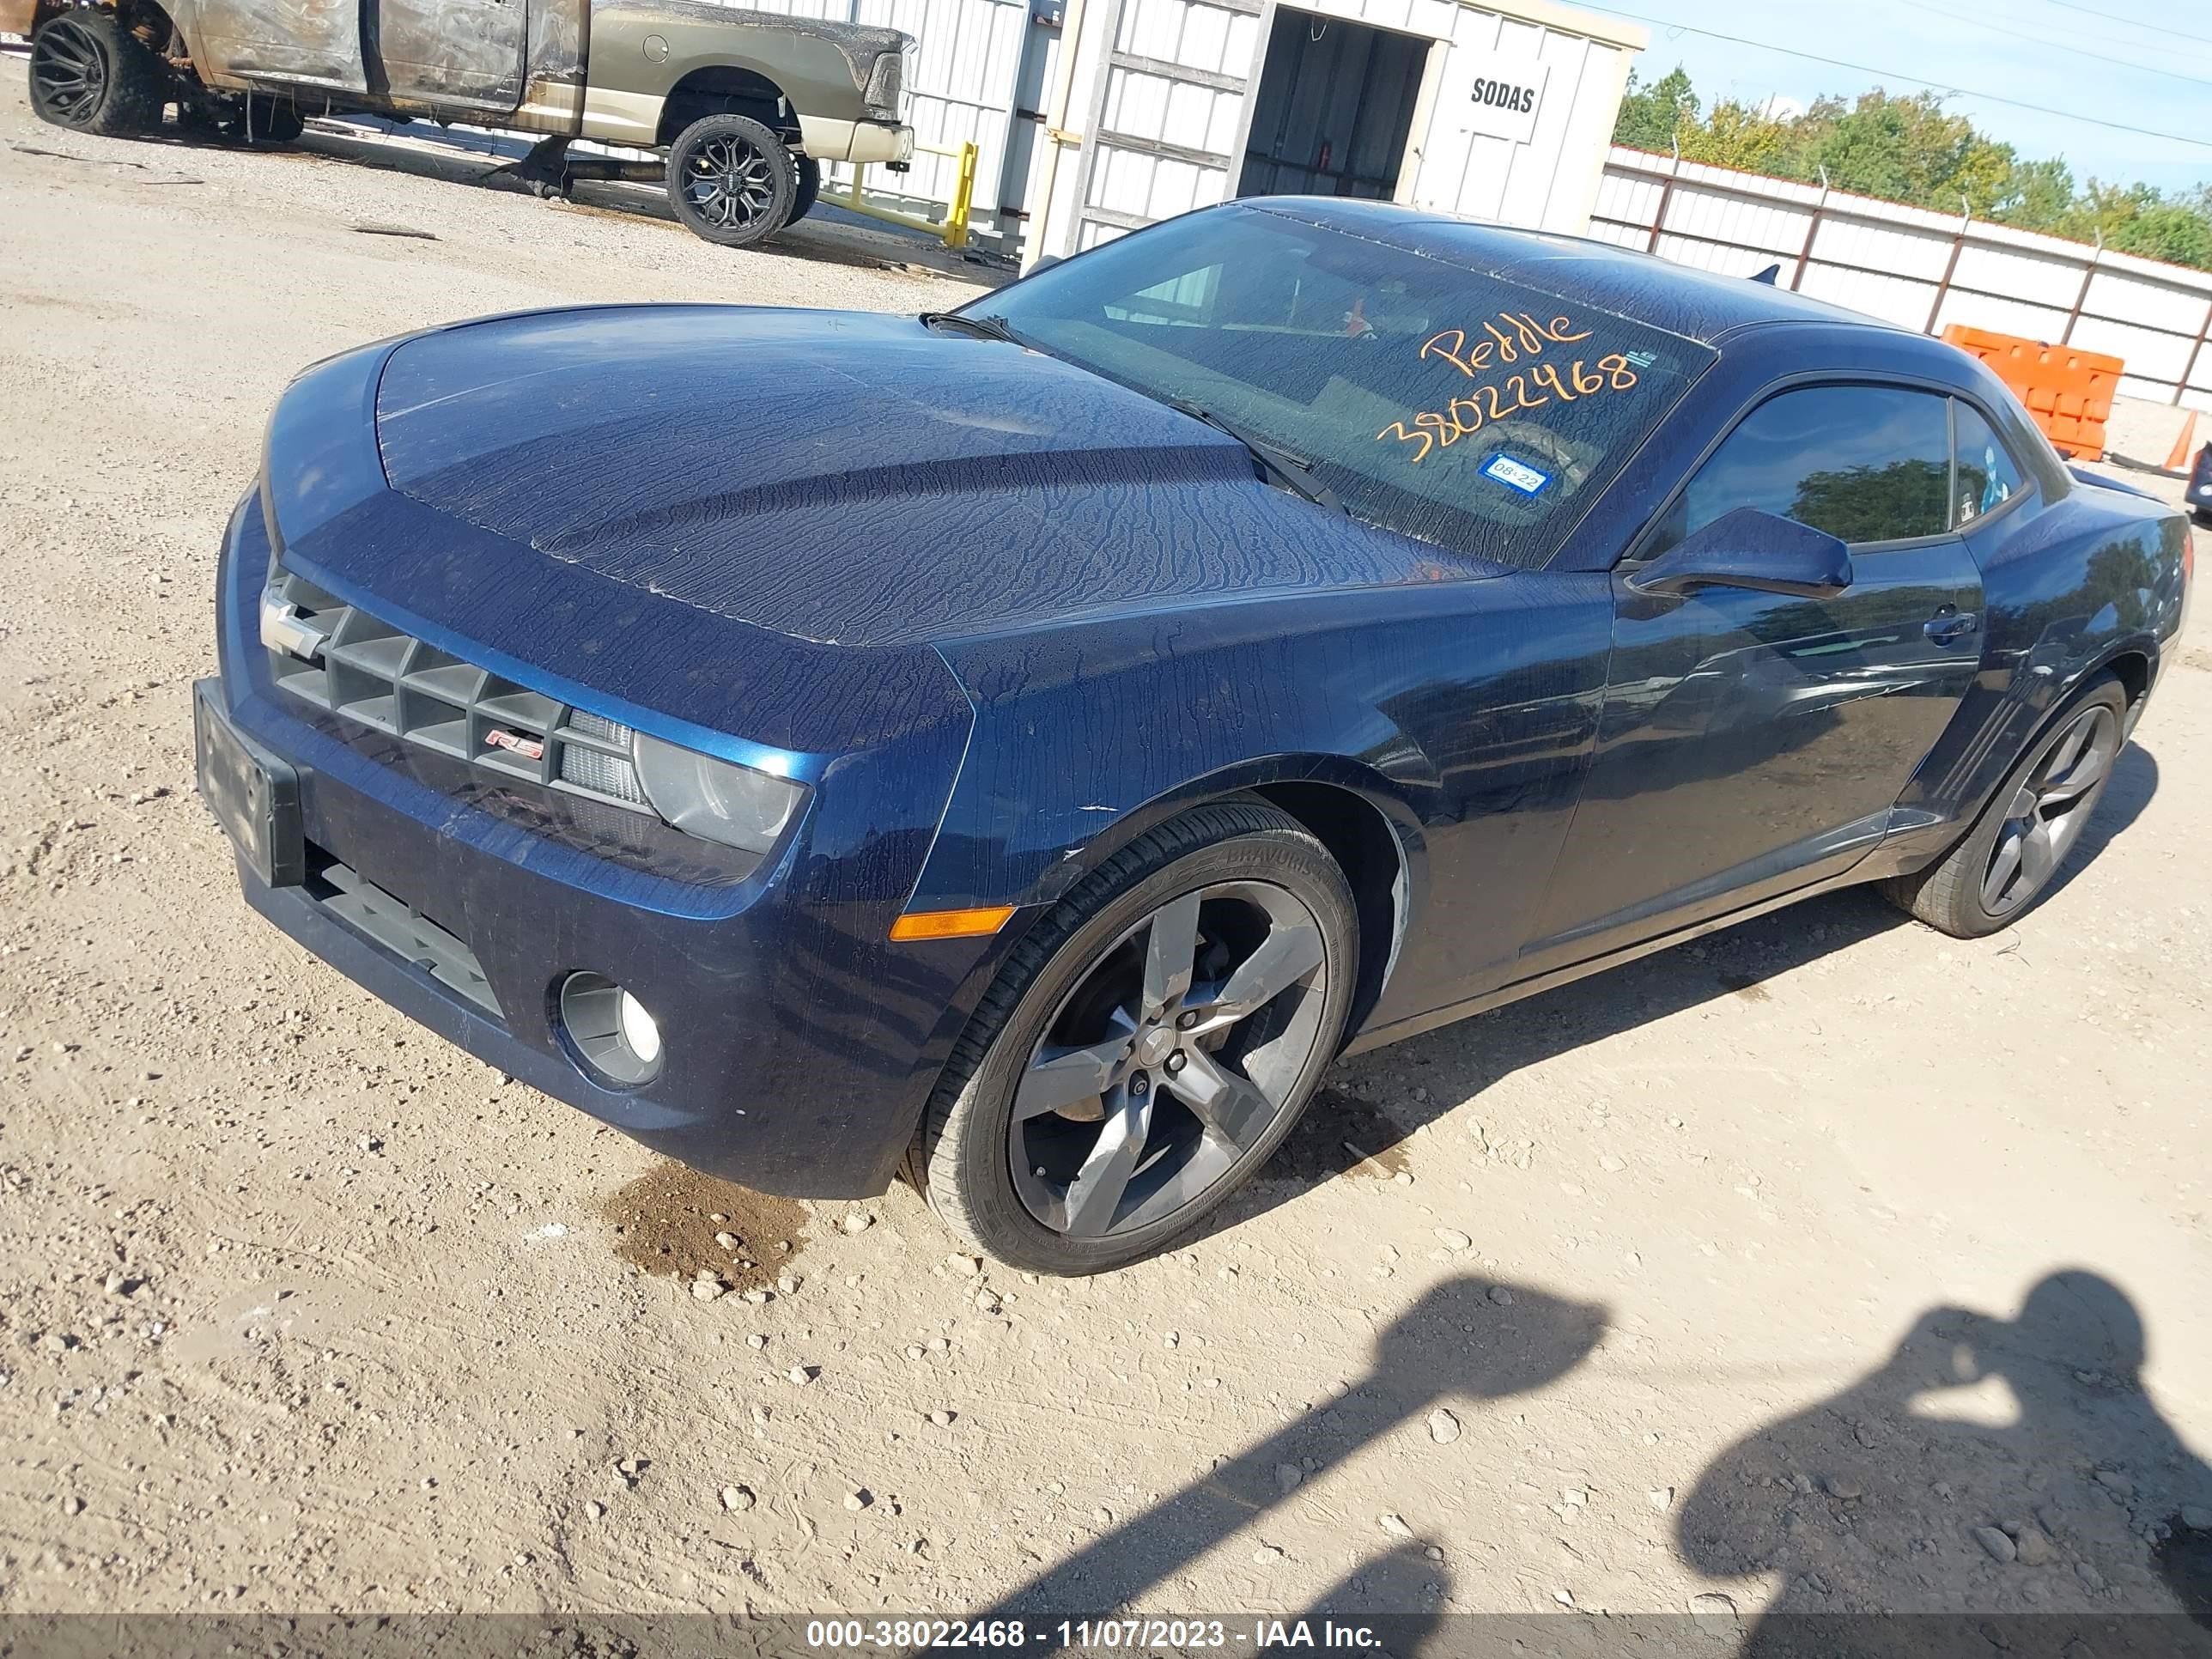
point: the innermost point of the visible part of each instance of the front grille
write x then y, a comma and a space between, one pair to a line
365, 669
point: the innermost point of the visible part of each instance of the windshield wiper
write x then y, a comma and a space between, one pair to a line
1294, 473
983, 328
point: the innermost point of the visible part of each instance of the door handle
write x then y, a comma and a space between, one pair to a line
1951, 626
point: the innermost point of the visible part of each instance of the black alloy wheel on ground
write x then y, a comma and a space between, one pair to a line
2004, 864
1150, 1043
809, 173
731, 180
91, 74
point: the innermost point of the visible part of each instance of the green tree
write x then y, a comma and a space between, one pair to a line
2039, 196
1903, 149
1910, 148
1739, 136
1650, 116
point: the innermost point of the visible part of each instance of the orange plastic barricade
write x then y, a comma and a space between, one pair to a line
2067, 390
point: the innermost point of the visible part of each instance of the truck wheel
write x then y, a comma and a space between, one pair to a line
810, 188
731, 180
91, 74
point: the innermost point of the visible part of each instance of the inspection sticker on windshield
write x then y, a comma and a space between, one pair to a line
1515, 475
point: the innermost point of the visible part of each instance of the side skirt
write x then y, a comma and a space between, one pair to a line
1414, 1025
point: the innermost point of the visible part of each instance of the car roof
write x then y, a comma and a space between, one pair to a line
1697, 304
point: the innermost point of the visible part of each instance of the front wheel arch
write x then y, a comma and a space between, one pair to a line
1368, 824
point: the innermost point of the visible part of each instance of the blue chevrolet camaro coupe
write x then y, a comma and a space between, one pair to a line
1029, 744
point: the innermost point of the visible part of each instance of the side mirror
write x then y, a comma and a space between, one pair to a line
1751, 549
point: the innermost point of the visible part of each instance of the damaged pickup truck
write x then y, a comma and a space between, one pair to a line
742, 107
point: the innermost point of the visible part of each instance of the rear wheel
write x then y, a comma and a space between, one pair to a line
90, 74
1149, 1046
731, 180
809, 190
2032, 822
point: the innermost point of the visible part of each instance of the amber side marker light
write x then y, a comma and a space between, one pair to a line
952, 924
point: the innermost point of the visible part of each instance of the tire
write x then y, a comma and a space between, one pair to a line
1108, 1177
2000, 868
809, 191
731, 180
90, 74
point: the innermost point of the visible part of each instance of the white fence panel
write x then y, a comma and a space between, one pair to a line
1897, 300
2028, 321
1919, 270
2018, 274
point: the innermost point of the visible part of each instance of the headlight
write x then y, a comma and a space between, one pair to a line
717, 798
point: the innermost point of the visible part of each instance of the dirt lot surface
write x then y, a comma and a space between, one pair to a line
1827, 1264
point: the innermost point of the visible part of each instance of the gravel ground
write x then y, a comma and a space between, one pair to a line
1827, 1263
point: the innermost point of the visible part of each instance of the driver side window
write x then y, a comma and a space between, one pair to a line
1864, 463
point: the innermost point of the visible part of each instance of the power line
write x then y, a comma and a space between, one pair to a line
2132, 23
2063, 45
1949, 86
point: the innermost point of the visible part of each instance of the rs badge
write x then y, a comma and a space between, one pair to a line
528, 748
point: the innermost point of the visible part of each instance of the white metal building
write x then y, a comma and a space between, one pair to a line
1501, 110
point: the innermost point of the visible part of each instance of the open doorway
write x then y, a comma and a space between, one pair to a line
1333, 110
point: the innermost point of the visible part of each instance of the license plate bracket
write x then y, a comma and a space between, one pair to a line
254, 795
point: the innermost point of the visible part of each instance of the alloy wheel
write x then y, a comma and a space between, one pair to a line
2047, 811
69, 73
728, 182
1168, 1060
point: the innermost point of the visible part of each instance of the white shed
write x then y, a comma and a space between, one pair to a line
1502, 110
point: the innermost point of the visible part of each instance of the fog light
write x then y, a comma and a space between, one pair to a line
609, 1031
638, 1029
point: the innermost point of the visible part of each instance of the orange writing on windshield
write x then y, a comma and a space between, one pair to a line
1533, 387
1521, 336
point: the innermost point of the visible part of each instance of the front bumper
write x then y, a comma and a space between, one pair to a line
801, 1043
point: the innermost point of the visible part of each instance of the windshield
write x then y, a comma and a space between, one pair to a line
1477, 414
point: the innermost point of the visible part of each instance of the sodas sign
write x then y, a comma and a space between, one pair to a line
1504, 95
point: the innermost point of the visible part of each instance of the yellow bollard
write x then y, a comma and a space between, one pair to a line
952, 229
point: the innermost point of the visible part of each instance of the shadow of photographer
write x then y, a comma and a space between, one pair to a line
1999, 1471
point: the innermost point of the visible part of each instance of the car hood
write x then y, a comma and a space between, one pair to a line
848, 478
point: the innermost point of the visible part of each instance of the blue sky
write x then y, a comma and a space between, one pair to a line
2029, 50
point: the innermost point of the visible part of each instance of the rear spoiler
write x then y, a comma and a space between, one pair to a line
2103, 480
